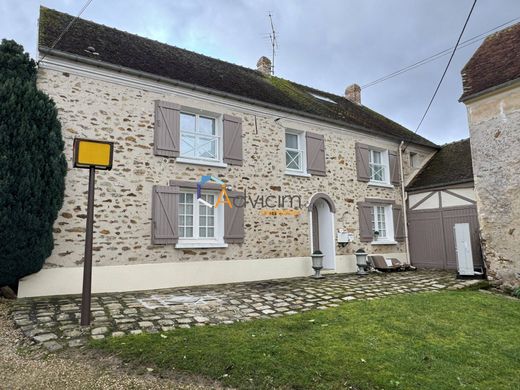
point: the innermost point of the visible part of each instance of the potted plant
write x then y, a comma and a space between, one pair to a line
376, 235
317, 264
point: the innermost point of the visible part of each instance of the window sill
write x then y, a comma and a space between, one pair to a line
378, 184
301, 174
217, 164
384, 242
201, 244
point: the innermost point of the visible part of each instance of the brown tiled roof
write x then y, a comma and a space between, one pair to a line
121, 48
495, 62
450, 165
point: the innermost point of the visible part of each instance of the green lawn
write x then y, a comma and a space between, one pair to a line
446, 340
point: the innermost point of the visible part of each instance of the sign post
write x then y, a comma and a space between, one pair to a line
92, 155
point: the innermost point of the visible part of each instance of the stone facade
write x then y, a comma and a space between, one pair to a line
100, 108
494, 122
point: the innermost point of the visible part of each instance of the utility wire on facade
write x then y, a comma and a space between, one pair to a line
424, 61
85, 6
445, 69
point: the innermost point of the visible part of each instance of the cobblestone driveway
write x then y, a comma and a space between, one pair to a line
53, 321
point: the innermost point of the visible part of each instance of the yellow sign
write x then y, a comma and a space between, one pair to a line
91, 153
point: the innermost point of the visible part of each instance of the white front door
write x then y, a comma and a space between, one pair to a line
463, 249
326, 234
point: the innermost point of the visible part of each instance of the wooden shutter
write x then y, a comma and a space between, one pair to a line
234, 218
395, 174
166, 140
365, 222
165, 215
397, 211
362, 162
232, 138
315, 145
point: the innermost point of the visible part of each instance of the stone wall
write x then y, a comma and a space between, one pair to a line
97, 109
494, 122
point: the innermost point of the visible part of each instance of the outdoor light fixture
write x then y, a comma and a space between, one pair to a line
317, 264
361, 261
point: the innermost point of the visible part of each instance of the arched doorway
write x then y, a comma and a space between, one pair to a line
321, 216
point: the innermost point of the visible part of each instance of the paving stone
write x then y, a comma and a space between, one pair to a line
52, 346
151, 311
41, 338
76, 343
99, 331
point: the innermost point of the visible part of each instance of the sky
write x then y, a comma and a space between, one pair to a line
326, 44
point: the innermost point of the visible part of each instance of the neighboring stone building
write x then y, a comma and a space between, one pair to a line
309, 164
491, 82
440, 196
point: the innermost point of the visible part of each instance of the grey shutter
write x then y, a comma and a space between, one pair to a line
165, 215
234, 218
365, 222
166, 140
232, 138
315, 145
362, 162
393, 162
397, 211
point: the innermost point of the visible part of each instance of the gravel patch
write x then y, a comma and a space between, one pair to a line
24, 365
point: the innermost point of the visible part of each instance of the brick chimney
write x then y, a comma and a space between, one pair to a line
264, 65
353, 93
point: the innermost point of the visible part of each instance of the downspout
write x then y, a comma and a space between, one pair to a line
405, 215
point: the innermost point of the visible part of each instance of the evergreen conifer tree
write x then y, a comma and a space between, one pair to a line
32, 167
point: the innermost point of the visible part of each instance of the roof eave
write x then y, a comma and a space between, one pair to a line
122, 69
437, 185
476, 95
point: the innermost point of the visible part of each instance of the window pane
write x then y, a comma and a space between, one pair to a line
293, 160
202, 232
187, 122
381, 221
376, 157
211, 232
291, 141
206, 125
207, 147
187, 145
377, 172
189, 232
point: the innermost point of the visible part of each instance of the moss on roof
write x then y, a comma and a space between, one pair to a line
449, 166
131, 51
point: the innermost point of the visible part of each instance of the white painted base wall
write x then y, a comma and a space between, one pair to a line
121, 278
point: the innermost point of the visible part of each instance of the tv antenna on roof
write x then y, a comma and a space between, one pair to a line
274, 42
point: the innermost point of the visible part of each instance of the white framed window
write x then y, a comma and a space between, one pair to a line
200, 137
379, 166
383, 224
295, 158
199, 224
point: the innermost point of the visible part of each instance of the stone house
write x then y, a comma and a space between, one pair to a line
303, 167
491, 81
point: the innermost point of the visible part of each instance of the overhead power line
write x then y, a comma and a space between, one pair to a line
436, 56
57, 40
446, 69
